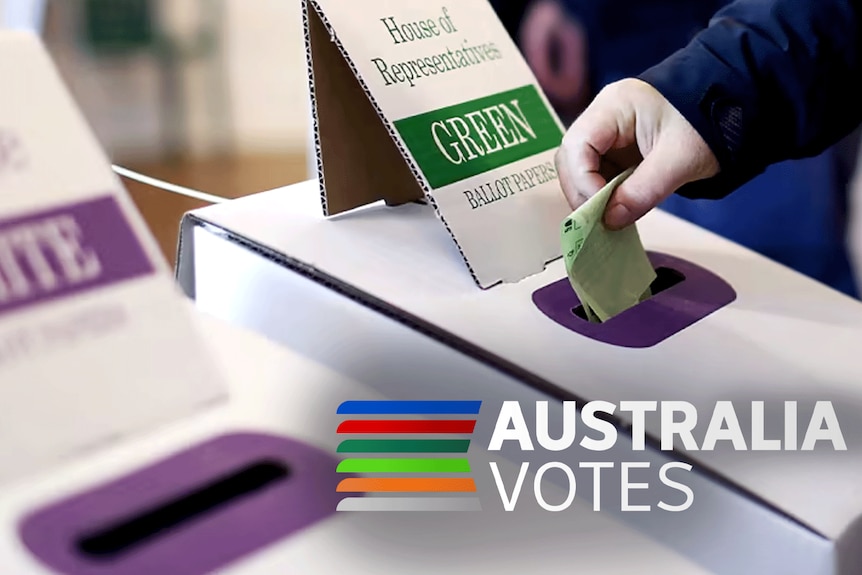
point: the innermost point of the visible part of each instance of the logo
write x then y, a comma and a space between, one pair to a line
407, 455
412, 455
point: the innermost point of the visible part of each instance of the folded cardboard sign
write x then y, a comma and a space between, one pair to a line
433, 100
95, 343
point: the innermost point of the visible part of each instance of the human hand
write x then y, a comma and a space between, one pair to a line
630, 123
554, 46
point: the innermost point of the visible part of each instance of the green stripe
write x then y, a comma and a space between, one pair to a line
461, 141
404, 466
404, 446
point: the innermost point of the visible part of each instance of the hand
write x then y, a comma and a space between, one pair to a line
555, 46
631, 123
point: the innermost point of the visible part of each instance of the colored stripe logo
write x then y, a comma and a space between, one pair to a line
407, 455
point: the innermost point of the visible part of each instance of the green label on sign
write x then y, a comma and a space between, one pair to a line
455, 143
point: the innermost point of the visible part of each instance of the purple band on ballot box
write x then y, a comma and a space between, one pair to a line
190, 514
694, 294
67, 250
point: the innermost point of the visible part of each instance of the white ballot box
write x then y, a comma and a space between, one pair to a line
438, 209
85, 295
138, 437
250, 489
748, 346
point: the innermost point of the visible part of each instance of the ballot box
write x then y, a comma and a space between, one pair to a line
746, 335
250, 488
138, 436
437, 208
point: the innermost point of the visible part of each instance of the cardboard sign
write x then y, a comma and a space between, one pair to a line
433, 99
95, 341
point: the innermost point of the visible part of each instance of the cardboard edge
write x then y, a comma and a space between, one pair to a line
184, 270
411, 164
361, 128
312, 99
483, 356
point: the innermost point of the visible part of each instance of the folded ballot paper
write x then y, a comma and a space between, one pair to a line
609, 270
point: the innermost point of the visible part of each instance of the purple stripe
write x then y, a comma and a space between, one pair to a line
65, 251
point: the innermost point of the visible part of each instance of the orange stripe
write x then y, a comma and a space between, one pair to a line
404, 485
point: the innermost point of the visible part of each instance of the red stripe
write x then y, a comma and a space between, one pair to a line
407, 426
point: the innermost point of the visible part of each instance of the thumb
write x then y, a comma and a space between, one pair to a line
663, 171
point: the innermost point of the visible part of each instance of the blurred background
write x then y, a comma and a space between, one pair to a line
212, 95
208, 94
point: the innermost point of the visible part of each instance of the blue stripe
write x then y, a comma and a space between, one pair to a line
409, 407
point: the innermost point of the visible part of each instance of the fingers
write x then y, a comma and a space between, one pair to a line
657, 177
627, 121
678, 156
581, 156
577, 187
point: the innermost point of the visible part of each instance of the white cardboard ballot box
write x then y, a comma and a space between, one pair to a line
272, 262
112, 465
437, 205
272, 450
85, 295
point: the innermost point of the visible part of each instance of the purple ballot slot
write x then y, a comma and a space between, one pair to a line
683, 294
190, 514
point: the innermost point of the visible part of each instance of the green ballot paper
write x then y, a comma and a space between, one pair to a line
609, 270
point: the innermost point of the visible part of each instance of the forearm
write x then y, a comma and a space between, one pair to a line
769, 80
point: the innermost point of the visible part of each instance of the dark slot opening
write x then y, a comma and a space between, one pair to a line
130, 532
665, 279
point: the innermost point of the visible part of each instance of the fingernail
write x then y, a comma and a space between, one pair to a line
617, 217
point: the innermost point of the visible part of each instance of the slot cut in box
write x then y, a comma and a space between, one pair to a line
683, 294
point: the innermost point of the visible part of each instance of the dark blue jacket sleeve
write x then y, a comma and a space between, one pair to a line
767, 81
